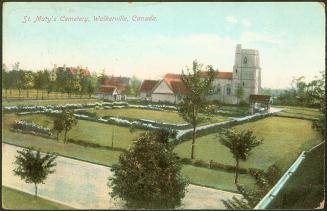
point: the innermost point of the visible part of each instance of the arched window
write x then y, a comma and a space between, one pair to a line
245, 61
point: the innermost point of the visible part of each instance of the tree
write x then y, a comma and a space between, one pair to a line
240, 144
38, 82
316, 93
58, 125
252, 195
27, 81
134, 88
34, 168
239, 94
195, 102
148, 174
5, 81
68, 121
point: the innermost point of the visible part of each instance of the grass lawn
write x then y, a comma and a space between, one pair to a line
201, 176
18, 200
32, 94
299, 112
48, 102
305, 189
93, 132
214, 178
284, 139
160, 116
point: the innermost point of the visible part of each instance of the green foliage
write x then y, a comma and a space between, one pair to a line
252, 195
64, 122
240, 144
195, 102
134, 88
148, 175
34, 168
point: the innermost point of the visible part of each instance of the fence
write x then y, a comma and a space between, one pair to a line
265, 201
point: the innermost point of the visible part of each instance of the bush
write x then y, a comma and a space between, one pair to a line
87, 113
31, 127
200, 163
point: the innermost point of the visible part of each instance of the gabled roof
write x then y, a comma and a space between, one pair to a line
218, 74
175, 83
107, 89
148, 85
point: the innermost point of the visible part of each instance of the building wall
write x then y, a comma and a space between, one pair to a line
163, 97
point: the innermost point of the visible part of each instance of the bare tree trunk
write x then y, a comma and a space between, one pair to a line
37, 93
35, 196
193, 142
65, 141
236, 170
194, 134
42, 94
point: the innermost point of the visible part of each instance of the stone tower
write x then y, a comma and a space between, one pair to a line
246, 72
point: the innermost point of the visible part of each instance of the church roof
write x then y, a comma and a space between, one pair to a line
148, 85
218, 74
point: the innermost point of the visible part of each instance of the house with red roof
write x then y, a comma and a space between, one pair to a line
108, 92
146, 89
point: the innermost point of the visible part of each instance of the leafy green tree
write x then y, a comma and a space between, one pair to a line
34, 168
148, 174
27, 81
6, 81
240, 145
38, 82
68, 121
195, 102
317, 95
58, 125
91, 85
134, 88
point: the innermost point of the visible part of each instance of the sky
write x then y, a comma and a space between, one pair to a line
290, 37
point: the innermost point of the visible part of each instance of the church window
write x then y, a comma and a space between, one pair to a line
236, 70
243, 83
218, 89
228, 91
245, 61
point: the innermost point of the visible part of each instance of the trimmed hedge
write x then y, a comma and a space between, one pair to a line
95, 145
213, 165
30, 127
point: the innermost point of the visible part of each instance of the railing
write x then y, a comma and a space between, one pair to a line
265, 201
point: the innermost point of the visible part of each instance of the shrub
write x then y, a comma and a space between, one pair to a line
31, 127
87, 113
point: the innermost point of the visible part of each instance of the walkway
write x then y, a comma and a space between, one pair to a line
272, 110
82, 185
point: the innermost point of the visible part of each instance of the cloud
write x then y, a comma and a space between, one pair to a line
246, 23
231, 19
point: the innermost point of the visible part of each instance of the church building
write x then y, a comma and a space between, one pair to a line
229, 87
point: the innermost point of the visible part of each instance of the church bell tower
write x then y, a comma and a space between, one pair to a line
246, 72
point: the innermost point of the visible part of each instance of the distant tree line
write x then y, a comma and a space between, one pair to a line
303, 93
60, 81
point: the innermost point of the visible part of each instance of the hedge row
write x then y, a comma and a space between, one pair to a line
94, 145
213, 165
30, 127
217, 128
